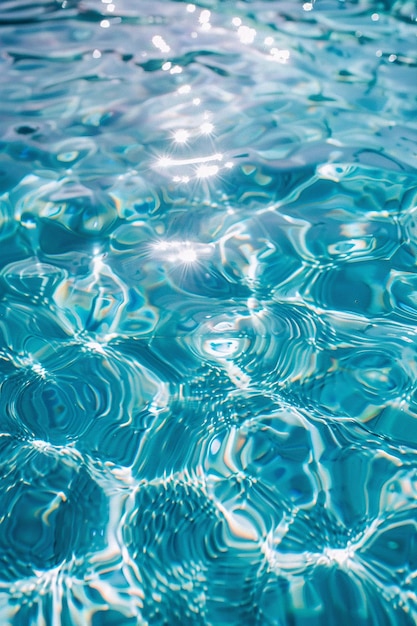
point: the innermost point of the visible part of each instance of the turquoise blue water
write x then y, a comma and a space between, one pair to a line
208, 313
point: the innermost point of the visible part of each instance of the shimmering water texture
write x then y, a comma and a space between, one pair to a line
208, 313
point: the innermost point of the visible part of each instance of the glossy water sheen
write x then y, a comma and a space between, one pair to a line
208, 314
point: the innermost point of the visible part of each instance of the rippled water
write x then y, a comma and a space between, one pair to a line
208, 315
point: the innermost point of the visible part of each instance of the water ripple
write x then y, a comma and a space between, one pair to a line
42, 499
208, 315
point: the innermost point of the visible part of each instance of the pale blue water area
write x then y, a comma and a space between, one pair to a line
208, 313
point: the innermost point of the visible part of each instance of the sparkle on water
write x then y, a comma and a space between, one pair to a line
208, 315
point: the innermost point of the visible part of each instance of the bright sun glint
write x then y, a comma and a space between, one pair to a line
176, 251
181, 252
206, 128
206, 170
187, 255
164, 161
181, 136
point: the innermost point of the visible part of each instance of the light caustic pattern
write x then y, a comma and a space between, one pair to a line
208, 314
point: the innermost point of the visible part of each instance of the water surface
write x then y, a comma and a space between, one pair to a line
208, 313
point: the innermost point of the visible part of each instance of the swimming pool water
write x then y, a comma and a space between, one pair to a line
208, 313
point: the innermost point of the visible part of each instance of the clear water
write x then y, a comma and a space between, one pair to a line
208, 315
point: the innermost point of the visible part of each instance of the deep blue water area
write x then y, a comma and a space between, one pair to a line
208, 313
